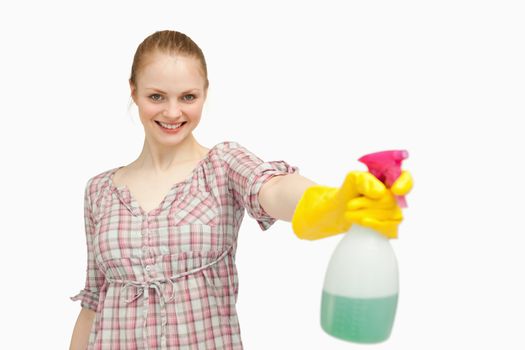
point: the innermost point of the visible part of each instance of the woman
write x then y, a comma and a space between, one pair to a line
161, 232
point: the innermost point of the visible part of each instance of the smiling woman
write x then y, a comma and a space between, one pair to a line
161, 232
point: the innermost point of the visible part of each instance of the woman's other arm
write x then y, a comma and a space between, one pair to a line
80, 337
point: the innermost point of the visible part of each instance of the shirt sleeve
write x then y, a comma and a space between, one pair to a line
246, 175
89, 296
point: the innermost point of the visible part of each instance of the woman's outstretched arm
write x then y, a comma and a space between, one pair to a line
279, 195
317, 211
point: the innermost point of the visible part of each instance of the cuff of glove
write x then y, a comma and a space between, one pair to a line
317, 215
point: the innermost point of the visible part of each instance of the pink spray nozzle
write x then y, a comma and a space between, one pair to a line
386, 166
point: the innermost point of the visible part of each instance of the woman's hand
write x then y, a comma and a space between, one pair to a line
325, 211
380, 211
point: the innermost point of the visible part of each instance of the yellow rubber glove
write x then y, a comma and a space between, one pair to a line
325, 211
382, 214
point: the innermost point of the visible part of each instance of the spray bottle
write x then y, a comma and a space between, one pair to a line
361, 286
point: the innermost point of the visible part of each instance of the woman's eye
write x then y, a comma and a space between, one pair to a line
157, 97
154, 99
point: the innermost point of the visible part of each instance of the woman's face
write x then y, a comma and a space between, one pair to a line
170, 89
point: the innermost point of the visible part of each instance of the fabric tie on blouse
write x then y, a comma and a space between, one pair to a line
155, 283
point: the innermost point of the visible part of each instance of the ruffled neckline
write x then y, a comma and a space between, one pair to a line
132, 204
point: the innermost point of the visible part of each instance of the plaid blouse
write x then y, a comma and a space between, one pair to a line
167, 279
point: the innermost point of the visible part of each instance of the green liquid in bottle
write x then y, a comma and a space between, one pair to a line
358, 320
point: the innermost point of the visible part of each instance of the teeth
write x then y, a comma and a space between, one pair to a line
169, 126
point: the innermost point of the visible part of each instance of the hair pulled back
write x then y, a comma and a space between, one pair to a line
167, 42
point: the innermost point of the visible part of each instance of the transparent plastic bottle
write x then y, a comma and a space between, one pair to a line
361, 288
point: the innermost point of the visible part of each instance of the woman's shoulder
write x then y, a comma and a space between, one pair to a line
230, 145
100, 180
102, 176
224, 149
227, 144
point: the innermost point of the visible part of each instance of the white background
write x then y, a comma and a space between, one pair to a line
317, 84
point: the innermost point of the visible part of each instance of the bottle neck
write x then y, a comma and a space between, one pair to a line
357, 229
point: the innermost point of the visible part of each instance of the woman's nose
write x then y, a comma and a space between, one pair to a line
173, 110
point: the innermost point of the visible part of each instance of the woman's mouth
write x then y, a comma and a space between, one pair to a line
170, 128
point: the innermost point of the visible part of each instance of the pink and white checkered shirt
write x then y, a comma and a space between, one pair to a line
167, 279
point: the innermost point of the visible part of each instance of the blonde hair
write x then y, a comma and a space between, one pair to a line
167, 42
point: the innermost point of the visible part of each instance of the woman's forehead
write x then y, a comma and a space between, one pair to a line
175, 73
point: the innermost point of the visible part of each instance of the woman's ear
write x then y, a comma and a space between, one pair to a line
133, 89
